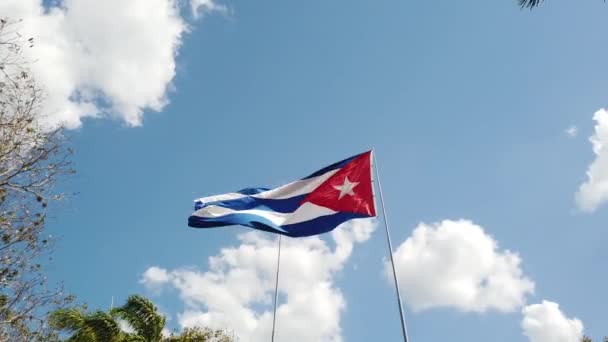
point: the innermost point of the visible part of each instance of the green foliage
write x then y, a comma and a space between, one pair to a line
529, 3
201, 335
588, 339
142, 315
96, 326
139, 313
67, 319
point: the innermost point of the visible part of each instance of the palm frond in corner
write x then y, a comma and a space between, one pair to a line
529, 3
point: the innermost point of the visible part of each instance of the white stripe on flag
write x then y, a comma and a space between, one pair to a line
306, 212
223, 197
300, 187
296, 188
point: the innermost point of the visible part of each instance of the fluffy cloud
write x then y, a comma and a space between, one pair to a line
456, 264
155, 278
594, 191
103, 58
546, 323
237, 290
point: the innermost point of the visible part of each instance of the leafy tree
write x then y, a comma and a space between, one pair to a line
141, 317
201, 335
96, 326
32, 159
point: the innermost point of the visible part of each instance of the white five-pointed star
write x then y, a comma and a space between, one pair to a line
346, 188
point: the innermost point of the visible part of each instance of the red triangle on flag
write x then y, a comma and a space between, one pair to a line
349, 190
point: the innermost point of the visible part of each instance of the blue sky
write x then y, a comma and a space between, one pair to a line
466, 104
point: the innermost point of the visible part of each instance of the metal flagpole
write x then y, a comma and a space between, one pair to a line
390, 250
276, 291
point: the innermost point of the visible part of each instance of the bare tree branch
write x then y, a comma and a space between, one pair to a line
32, 158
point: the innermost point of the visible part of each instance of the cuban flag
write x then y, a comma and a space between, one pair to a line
313, 205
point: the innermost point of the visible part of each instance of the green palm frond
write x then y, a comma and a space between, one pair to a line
99, 326
143, 316
200, 334
69, 320
95, 327
72, 321
82, 336
132, 338
103, 326
529, 3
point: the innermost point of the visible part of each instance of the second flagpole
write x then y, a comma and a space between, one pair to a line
390, 250
276, 291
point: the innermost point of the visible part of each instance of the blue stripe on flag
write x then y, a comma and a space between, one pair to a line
249, 220
315, 226
252, 191
287, 205
319, 225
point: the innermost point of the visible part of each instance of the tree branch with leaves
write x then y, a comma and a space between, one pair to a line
32, 159
145, 323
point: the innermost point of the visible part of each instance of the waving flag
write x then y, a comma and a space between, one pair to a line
310, 206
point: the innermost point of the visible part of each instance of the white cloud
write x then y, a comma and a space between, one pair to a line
594, 191
546, 323
237, 290
154, 278
205, 6
572, 131
456, 264
103, 58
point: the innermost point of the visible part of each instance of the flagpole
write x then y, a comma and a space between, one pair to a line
390, 250
276, 291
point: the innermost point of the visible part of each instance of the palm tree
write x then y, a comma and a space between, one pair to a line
86, 327
201, 335
529, 3
143, 316
139, 313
